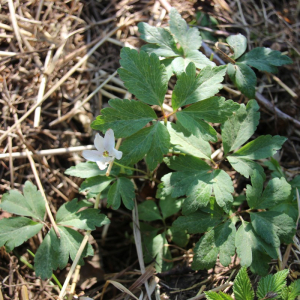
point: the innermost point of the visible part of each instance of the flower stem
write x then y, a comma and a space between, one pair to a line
129, 168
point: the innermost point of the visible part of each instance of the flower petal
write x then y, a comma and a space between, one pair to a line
102, 165
117, 154
92, 155
99, 143
109, 141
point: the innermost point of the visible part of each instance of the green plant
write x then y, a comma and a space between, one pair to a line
252, 225
269, 287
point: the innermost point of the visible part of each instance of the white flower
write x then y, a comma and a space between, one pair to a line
105, 152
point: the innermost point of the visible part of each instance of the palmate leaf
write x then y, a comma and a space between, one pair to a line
272, 283
246, 166
178, 236
95, 185
252, 250
192, 223
183, 141
32, 204
262, 147
164, 42
238, 43
87, 219
190, 88
214, 109
155, 249
122, 188
148, 211
15, 231
170, 206
125, 117
276, 192
273, 227
143, 76
242, 287
219, 240
54, 253
198, 182
89, 169
188, 38
243, 78
240, 127
265, 59
153, 141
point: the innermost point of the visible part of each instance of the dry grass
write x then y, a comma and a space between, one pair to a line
58, 63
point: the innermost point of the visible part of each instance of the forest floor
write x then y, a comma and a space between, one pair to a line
51, 42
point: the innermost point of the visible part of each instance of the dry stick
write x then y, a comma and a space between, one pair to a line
14, 23
259, 97
37, 179
76, 109
78, 255
62, 80
37, 113
58, 151
73, 286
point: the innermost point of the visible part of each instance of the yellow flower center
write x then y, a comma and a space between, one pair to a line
105, 154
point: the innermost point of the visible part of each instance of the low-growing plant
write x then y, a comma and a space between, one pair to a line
269, 287
252, 225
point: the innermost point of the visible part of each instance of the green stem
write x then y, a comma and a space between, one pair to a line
129, 168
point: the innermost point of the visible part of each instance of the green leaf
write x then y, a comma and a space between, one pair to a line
178, 236
190, 88
265, 59
143, 76
240, 127
188, 38
54, 253
87, 219
186, 142
273, 227
251, 248
238, 43
186, 163
288, 207
166, 45
170, 206
122, 188
217, 296
198, 222
125, 117
198, 58
95, 185
246, 166
32, 204
295, 183
219, 240
214, 109
148, 211
274, 166
242, 287
15, 231
292, 291
272, 283
243, 78
262, 147
199, 185
153, 141
160, 253
276, 192
85, 170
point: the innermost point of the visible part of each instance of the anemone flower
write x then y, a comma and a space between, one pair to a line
105, 152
